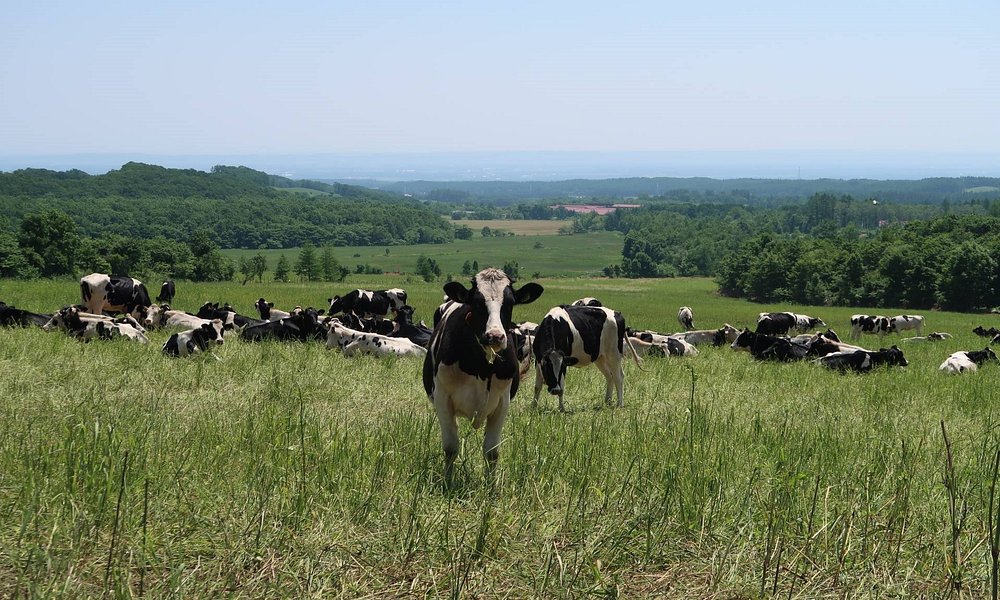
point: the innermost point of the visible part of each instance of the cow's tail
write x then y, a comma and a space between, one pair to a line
635, 355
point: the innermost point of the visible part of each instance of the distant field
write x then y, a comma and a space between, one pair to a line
300, 190
558, 256
519, 227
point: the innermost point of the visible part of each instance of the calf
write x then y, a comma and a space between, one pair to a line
16, 317
193, 341
471, 369
862, 361
114, 293
301, 326
686, 318
577, 336
367, 303
967, 362
874, 324
588, 301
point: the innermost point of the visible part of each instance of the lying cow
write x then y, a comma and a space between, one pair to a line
268, 312
353, 342
656, 344
16, 317
769, 347
862, 361
934, 336
990, 333
724, 335
367, 303
193, 341
404, 327
685, 316
967, 362
75, 325
588, 301
471, 368
577, 336
160, 316
301, 326
58, 319
227, 314
114, 294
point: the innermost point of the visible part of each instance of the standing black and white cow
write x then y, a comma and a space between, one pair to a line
685, 316
901, 323
193, 341
114, 293
471, 369
874, 324
366, 303
577, 336
779, 323
167, 292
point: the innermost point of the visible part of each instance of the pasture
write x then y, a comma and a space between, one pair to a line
549, 255
516, 226
276, 470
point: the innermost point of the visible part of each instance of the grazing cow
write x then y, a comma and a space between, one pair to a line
366, 303
875, 324
685, 316
768, 347
904, 322
167, 292
576, 336
114, 293
471, 369
588, 301
15, 317
301, 326
991, 332
193, 341
862, 361
268, 312
87, 328
967, 362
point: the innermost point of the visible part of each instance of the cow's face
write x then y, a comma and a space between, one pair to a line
397, 297
264, 308
743, 340
491, 301
894, 356
154, 314
213, 331
553, 365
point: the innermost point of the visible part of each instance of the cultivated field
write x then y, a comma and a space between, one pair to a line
550, 255
288, 470
517, 226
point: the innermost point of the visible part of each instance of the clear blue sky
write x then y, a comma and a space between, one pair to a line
374, 76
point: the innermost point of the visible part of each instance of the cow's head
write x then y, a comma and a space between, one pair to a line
553, 366
336, 305
491, 302
894, 356
264, 308
726, 333
66, 318
213, 330
744, 340
397, 298
155, 315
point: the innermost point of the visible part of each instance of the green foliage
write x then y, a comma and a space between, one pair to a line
428, 268
512, 269
49, 242
330, 267
307, 267
463, 232
282, 269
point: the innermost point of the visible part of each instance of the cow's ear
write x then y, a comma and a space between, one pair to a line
569, 361
528, 293
456, 292
320, 311
270, 304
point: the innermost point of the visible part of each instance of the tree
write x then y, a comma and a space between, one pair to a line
512, 269
307, 267
463, 232
246, 268
49, 241
12, 261
486, 231
467, 268
282, 269
428, 268
209, 264
968, 278
259, 262
330, 267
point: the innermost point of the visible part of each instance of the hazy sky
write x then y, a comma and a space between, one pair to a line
374, 76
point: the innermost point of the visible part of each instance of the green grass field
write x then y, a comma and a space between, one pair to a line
549, 255
289, 470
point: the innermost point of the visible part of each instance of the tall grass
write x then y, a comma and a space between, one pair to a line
289, 470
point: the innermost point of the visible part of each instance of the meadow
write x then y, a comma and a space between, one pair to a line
277, 470
548, 255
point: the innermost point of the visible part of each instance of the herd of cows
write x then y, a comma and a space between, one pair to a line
475, 354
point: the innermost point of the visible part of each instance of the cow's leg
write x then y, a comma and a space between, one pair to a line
491, 437
539, 382
449, 432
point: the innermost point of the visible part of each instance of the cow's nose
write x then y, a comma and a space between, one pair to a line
495, 338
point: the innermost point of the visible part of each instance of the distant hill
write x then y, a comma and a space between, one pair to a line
240, 207
766, 191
